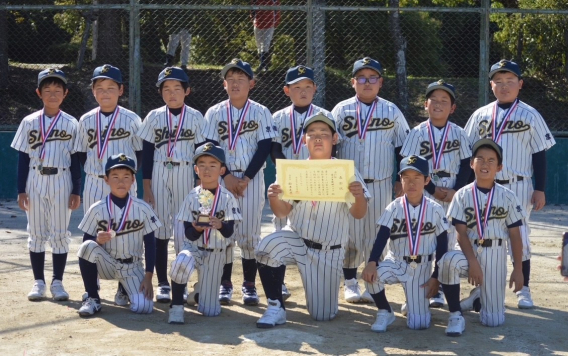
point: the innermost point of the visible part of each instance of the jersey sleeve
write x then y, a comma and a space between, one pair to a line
471, 129
267, 127
20, 141
209, 131
366, 193
136, 140
401, 128
82, 141
541, 138
465, 145
152, 223
185, 211
276, 119
89, 224
200, 125
516, 211
337, 115
411, 145
146, 131
232, 210
455, 210
387, 217
442, 223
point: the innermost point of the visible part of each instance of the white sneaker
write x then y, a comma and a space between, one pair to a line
120, 298
176, 315
192, 298
351, 291
467, 303
366, 297
285, 293
524, 299
57, 291
38, 291
274, 315
437, 301
404, 309
90, 307
384, 319
456, 324
225, 293
163, 294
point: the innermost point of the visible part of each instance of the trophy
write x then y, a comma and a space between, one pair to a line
206, 199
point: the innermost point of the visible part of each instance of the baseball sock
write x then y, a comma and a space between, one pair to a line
38, 261
227, 272
452, 292
162, 261
177, 293
283, 272
59, 261
526, 272
350, 273
249, 270
381, 301
89, 274
271, 279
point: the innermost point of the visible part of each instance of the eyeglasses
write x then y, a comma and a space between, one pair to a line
370, 80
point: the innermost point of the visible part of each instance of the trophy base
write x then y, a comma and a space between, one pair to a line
203, 220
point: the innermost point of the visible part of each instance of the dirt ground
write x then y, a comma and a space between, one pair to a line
48, 327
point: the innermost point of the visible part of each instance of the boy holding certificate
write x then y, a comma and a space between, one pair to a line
314, 239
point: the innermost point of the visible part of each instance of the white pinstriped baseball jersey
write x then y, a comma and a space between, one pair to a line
282, 118
457, 146
434, 223
258, 125
154, 129
526, 133
59, 145
326, 223
123, 138
505, 210
227, 210
129, 242
387, 129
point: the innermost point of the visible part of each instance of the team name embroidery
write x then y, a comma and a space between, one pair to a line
161, 136
248, 126
426, 149
129, 226
510, 127
350, 125
399, 229
287, 137
497, 212
115, 134
34, 139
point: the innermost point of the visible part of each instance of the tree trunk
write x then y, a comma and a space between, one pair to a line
400, 51
109, 35
4, 69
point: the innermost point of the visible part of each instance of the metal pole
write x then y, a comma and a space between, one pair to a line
309, 33
484, 53
134, 99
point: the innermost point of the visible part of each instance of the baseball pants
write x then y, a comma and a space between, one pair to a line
184, 37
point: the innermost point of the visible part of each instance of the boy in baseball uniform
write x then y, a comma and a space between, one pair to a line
313, 239
417, 229
119, 233
486, 215
446, 147
372, 132
208, 214
169, 136
49, 180
524, 136
244, 129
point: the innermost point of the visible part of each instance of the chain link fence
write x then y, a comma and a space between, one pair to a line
415, 45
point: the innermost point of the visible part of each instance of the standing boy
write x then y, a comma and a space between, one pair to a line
524, 136
208, 214
169, 136
49, 180
372, 131
244, 129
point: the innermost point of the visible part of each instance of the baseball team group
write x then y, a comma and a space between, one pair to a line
462, 197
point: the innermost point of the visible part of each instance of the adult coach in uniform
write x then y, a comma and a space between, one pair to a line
311, 240
372, 132
524, 136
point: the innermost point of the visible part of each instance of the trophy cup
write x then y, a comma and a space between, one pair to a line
206, 201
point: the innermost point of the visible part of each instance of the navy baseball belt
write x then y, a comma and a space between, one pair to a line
418, 259
507, 181
489, 243
442, 174
209, 249
318, 246
125, 260
175, 164
48, 171
367, 181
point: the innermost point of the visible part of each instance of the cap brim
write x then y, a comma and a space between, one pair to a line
412, 168
166, 79
369, 67
488, 142
231, 66
52, 76
442, 87
502, 69
104, 77
121, 165
206, 154
300, 79
322, 118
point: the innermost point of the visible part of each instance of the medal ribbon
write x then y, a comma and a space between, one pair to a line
172, 146
497, 135
45, 135
414, 238
296, 138
124, 213
207, 232
102, 142
363, 126
437, 156
234, 135
482, 226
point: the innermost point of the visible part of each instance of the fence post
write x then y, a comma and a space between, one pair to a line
484, 53
309, 33
316, 18
134, 97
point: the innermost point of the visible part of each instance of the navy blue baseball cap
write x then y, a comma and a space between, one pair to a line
416, 163
120, 160
367, 62
172, 73
107, 72
441, 84
239, 64
209, 149
319, 117
295, 74
505, 66
490, 143
51, 73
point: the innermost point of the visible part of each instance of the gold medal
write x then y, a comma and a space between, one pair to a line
169, 159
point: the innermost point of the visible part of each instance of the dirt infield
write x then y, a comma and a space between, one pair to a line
48, 327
